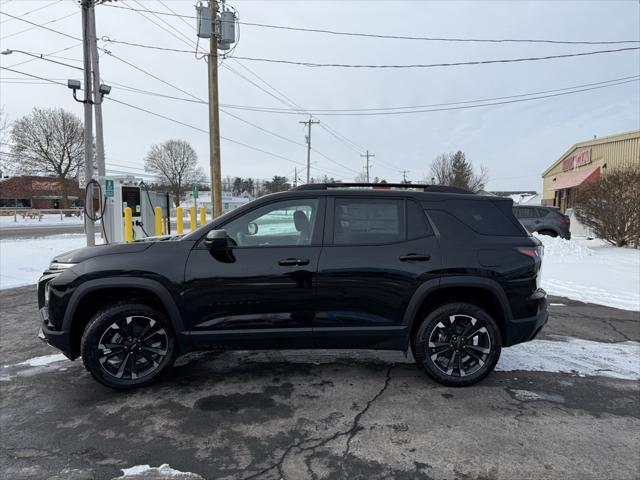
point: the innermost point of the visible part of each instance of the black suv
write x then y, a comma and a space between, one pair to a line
452, 275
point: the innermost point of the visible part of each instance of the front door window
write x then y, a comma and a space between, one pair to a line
279, 224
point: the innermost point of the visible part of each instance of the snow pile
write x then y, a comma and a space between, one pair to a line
559, 247
22, 261
592, 272
574, 355
164, 471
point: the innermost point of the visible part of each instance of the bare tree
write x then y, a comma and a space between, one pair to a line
453, 169
48, 141
611, 206
175, 163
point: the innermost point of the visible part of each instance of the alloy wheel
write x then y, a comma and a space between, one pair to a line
133, 347
459, 346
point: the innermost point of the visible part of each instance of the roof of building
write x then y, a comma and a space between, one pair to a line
592, 142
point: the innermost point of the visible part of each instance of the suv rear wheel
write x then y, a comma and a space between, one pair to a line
127, 345
458, 344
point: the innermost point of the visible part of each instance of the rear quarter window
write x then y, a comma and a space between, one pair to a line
484, 217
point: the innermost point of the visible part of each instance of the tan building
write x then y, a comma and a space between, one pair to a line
585, 162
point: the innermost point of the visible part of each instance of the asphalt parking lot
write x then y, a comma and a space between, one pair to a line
317, 414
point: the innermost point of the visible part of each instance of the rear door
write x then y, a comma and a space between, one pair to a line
377, 251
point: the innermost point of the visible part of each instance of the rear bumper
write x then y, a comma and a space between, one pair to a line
520, 330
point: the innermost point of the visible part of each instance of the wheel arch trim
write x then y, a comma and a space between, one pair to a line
152, 286
443, 283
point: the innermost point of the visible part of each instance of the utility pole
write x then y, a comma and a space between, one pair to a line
295, 177
89, 225
214, 116
97, 93
367, 155
309, 123
404, 176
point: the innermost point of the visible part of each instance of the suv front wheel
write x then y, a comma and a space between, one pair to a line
127, 345
458, 344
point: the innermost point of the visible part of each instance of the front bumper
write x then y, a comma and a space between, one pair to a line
524, 329
55, 338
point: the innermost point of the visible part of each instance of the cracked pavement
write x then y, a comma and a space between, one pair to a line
318, 414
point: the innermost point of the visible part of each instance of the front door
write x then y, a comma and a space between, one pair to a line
379, 252
259, 293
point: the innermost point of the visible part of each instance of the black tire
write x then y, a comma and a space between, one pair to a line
458, 344
127, 345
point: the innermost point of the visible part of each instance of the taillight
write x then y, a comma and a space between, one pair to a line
565, 219
533, 252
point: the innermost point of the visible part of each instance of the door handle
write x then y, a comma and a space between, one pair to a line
415, 257
293, 262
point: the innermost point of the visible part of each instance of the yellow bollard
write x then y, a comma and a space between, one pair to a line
128, 225
179, 220
192, 217
158, 216
203, 216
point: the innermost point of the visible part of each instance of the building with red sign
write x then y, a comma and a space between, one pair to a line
585, 162
38, 192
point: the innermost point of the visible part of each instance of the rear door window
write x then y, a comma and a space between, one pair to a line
368, 221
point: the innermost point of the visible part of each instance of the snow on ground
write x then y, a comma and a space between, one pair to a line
573, 355
47, 219
22, 261
591, 271
43, 361
560, 355
149, 472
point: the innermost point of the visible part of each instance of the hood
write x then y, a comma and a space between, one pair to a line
82, 254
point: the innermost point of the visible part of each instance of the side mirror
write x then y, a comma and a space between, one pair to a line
218, 240
252, 228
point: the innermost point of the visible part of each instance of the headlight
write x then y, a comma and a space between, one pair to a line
54, 266
46, 293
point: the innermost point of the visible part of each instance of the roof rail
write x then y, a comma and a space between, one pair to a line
384, 186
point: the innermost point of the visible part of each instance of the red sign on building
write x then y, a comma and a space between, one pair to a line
576, 160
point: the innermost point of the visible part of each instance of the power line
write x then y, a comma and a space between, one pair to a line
321, 111
40, 26
402, 37
429, 108
179, 36
105, 38
439, 39
31, 11
173, 120
282, 98
433, 65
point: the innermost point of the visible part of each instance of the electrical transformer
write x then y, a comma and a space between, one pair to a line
227, 30
204, 21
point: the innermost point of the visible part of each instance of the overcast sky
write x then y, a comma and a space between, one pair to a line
515, 141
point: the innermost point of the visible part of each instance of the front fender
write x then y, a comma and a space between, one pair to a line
152, 286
